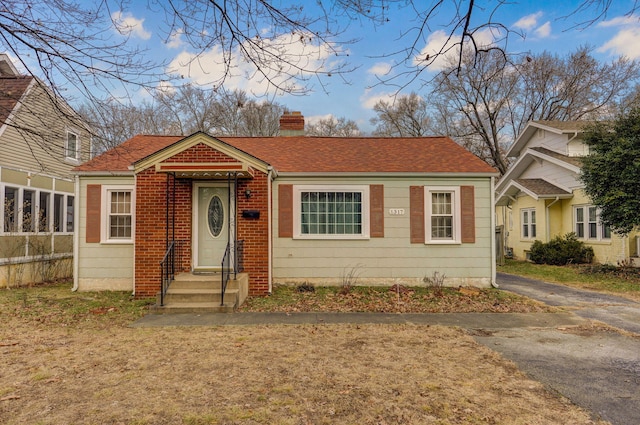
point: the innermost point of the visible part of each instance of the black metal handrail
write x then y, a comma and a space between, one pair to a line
167, 269
238, 265
238, 258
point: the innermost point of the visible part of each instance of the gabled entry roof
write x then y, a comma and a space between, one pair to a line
302, 154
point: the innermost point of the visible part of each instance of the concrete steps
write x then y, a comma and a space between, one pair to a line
201, 293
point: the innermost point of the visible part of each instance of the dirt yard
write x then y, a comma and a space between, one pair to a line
70, 358
329, 374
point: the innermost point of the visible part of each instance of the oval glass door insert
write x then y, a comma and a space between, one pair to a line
216, 216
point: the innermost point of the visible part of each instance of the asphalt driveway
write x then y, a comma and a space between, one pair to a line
597, 368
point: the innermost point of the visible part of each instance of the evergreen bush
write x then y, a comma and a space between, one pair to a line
561, 250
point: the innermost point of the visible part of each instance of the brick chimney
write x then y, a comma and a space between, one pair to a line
292, 124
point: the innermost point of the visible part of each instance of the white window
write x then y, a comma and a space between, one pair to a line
62, 213
10, 215
528, 216
29, 216
70, 213
72, 146
331, 212
117, 214
32, 210
587, 224
44, 214
442, 214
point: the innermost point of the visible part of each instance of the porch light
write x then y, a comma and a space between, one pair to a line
247, 193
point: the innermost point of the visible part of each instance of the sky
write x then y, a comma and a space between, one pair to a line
545, 25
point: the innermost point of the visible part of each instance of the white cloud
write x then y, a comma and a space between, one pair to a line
175, 40
313, 119
528, 22
620, 21
369, 100
544, 30
380, 68
626, 42
440, 49
126, 24
212, 68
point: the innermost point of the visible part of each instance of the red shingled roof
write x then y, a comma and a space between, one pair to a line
11, 90
320, 154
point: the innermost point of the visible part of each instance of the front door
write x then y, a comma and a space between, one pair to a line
211, 224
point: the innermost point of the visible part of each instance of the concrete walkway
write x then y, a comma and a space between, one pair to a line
463, 320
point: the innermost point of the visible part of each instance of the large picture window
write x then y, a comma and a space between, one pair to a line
442, 207
340, 212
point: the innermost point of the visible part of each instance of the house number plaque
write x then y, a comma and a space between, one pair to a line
396, 211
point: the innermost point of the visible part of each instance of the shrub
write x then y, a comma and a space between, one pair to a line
561, 250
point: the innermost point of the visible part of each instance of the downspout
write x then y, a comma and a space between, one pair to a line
270, 176
76, 233
494, 283
548, 219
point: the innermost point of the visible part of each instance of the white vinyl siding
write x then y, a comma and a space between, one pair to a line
103, 266
392, 258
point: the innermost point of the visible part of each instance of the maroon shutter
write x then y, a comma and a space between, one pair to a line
285, 211
468, 214
416, 214
376, 210
93, 213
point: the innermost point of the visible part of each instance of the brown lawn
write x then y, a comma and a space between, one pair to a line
71, 359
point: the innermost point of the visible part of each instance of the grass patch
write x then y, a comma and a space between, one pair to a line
395, 299
617, 280
55, 303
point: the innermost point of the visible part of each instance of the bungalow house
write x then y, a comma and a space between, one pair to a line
41, 141
289, 209
541, 195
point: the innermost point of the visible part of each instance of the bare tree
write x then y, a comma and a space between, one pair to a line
490, 100
113, 122
88, 49
475, 103
260, 118
72, 44
182, 112
333, 127
407, 116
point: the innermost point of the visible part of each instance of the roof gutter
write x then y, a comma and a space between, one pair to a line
341, 174
104, 173
76, 235
494, 283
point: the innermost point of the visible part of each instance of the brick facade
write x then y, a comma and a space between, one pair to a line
152, 223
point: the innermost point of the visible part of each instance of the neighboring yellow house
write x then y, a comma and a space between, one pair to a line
541, 195
41, 140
